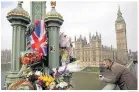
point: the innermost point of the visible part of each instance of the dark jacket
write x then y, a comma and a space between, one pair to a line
121, 76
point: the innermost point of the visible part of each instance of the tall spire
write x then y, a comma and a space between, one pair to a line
85, 41
75, 38
84, 38
96, 33
89, 35
119, 15
97, 36
111, 46
119, 12
80, 36
100, 36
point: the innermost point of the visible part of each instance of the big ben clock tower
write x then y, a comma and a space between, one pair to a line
120, 28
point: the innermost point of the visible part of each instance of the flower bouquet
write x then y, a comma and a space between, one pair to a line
30, 57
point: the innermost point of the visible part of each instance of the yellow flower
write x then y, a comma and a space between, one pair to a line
40, 78
52, 79
45, 78
49, 79
64, 56
47, 83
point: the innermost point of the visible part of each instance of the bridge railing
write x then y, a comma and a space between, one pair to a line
110, 86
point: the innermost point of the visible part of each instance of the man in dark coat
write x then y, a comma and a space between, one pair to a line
120, 76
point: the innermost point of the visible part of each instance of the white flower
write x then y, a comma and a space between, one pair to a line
52, 85
72, 67
62, 84
30, 73
75, 66
38, 73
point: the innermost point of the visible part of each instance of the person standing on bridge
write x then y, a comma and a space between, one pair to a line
121, 76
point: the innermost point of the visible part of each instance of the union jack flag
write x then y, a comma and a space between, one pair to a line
38, 38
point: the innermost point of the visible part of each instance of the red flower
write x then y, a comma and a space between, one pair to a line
25, 60
30, 55
33, 59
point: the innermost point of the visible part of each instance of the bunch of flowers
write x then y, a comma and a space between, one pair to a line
44, 81
52, 83
31, 57
56, 81
47, 79
59, 79
65, 48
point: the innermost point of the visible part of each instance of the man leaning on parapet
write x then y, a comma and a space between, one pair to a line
121, 75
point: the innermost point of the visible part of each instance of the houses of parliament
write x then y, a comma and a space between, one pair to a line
94, 52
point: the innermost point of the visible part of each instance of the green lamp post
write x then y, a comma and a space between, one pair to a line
53, 21
18, 18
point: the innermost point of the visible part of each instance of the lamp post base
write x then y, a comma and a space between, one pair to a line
10, 78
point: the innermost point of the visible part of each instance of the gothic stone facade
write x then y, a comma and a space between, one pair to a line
94, 52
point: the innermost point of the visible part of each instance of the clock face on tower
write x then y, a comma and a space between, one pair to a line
120, 26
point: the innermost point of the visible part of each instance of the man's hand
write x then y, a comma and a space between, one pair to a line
107, 80
101, 77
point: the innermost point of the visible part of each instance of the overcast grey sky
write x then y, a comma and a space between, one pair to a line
82, 18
